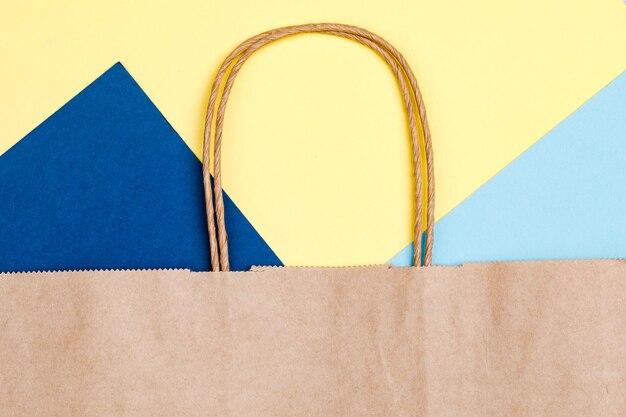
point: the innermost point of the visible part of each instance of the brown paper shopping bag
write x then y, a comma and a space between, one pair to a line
490, 339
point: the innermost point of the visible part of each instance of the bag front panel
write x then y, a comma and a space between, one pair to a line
535, 338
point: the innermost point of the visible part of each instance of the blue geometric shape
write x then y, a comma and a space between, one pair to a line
564, 198
105, 182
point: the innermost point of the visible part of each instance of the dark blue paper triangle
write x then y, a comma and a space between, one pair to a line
105, 182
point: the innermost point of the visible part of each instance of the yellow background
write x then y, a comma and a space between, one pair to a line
316, 151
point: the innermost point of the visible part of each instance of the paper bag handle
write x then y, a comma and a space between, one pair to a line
410, 93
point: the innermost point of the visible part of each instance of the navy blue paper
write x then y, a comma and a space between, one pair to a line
105, 182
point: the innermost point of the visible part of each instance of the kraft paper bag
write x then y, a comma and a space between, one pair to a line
490, 339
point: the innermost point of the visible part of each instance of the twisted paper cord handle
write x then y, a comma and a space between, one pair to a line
410, 93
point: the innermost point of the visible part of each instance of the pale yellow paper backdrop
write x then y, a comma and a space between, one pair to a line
316, 153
